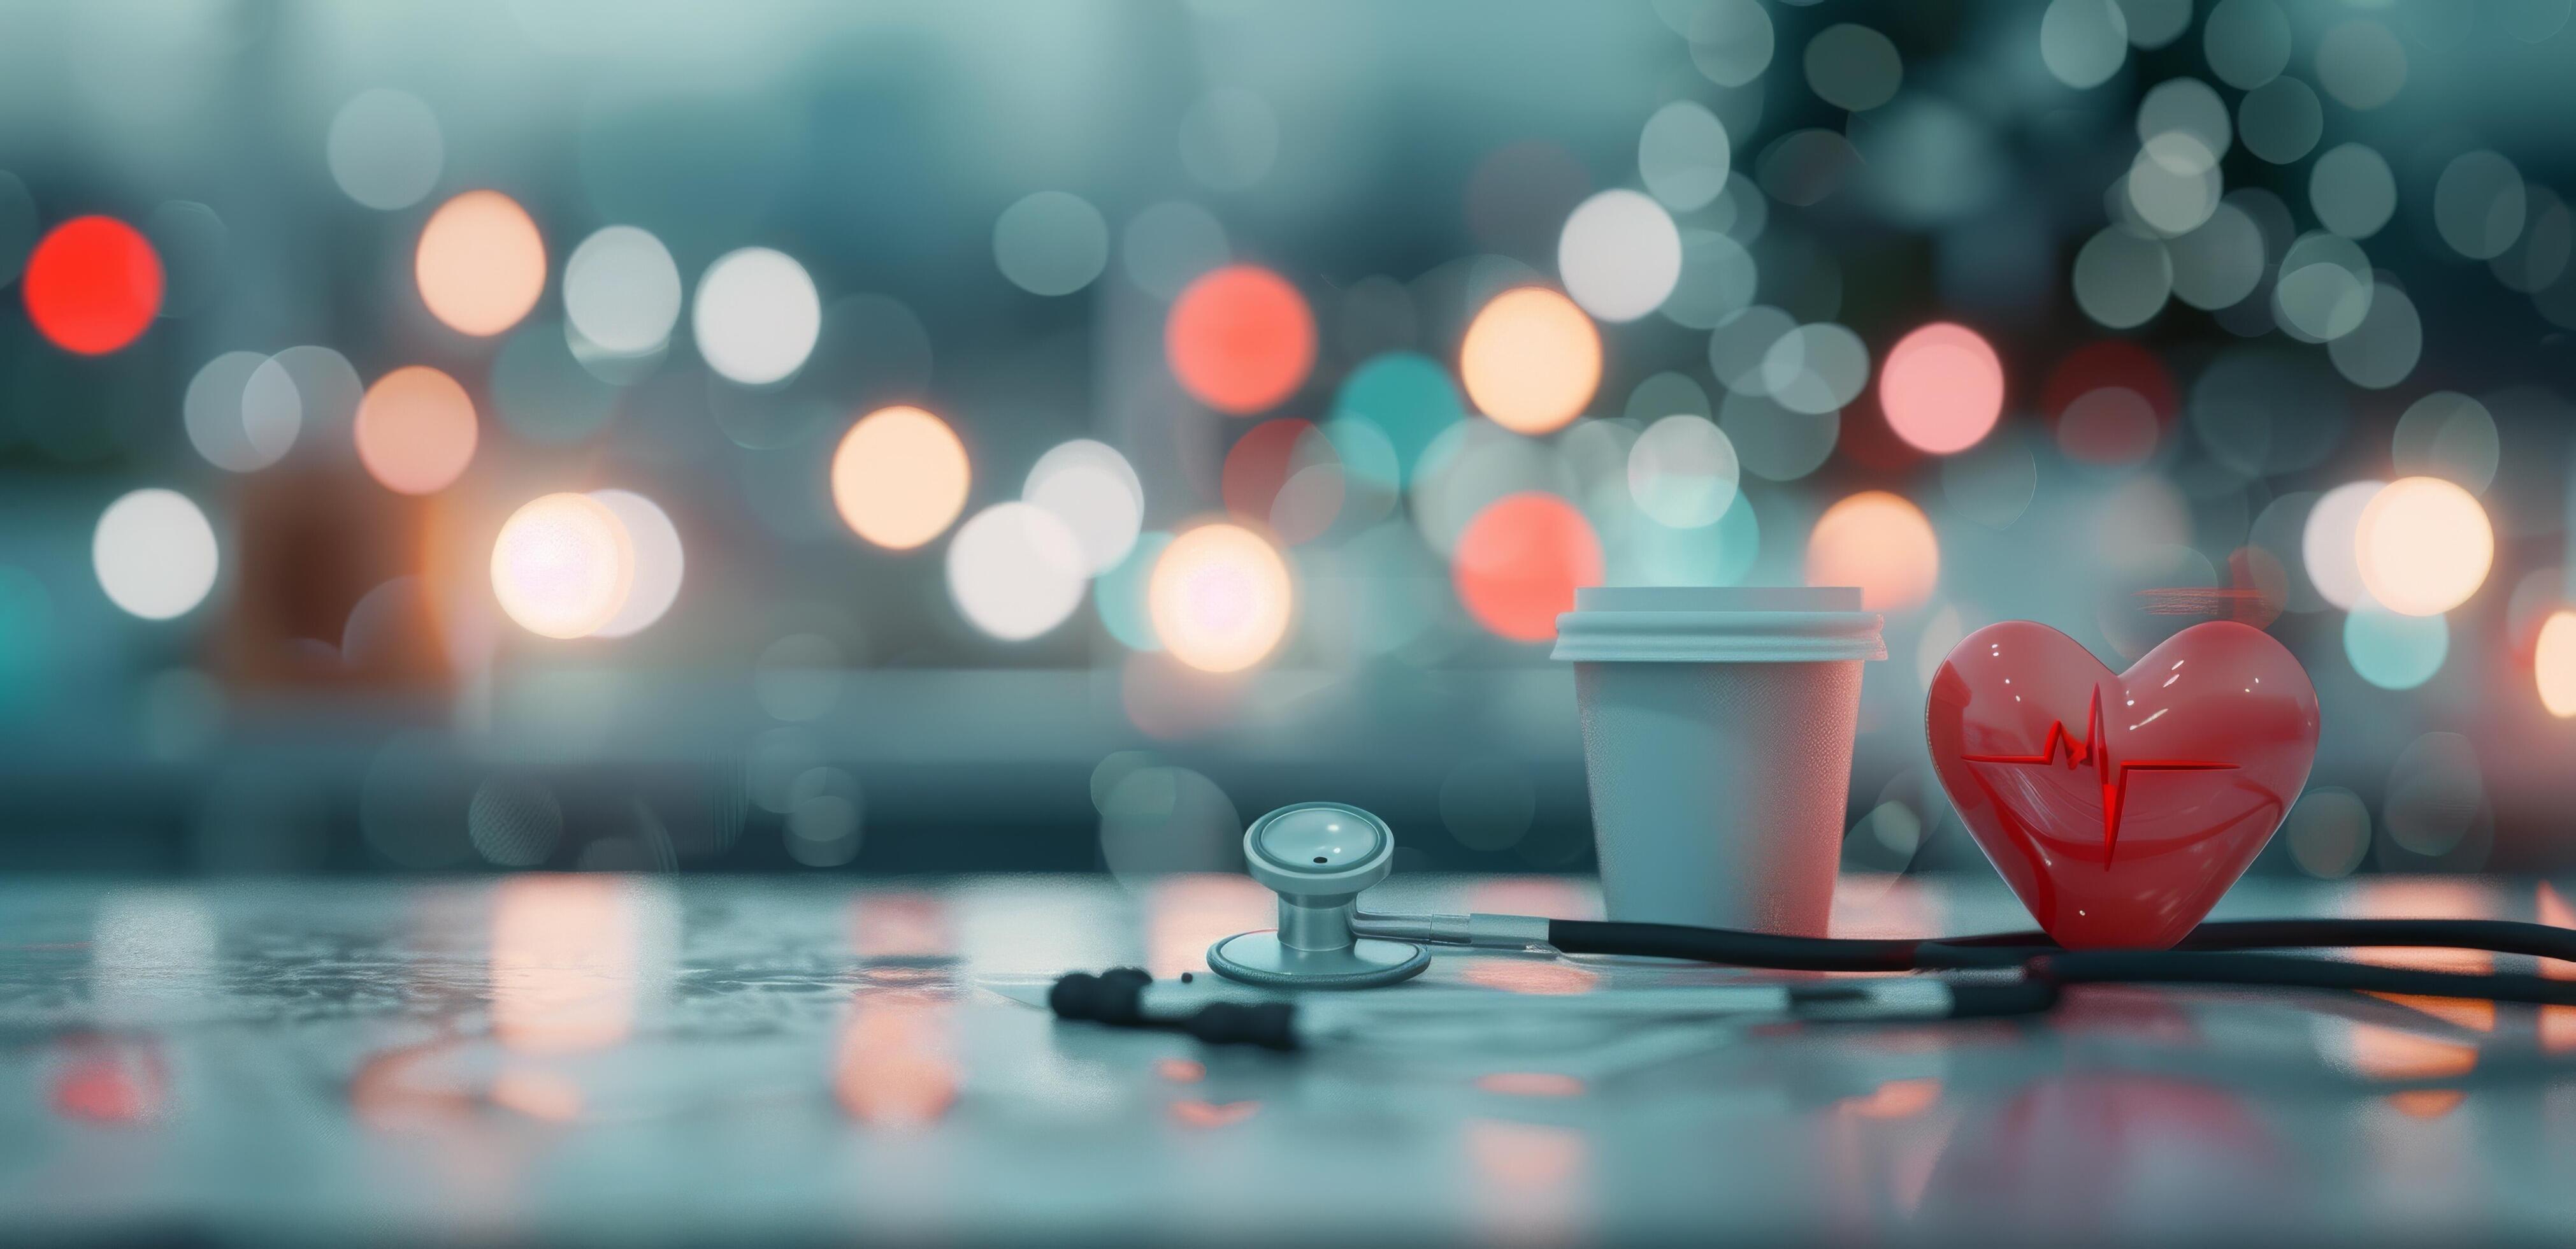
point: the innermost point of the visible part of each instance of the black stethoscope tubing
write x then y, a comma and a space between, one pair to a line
1756, 949
2224, 954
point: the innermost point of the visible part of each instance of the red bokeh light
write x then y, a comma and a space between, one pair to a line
1260, 463
1240, 339
109, 1081
2109, 425
1867, 441
2110, 402
93, 285
1519, 562
1267, 479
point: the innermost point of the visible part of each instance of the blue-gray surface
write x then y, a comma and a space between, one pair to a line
602, 1057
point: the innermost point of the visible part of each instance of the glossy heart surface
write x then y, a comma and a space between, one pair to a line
2120, 806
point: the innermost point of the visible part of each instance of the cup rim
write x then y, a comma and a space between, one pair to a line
1698, 624
1727, 598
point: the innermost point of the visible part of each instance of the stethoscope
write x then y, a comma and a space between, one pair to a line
1319, 857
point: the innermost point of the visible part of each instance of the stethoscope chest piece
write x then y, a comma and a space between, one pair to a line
1259, 958
1317, 856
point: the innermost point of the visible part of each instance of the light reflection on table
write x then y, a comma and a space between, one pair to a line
745, 1060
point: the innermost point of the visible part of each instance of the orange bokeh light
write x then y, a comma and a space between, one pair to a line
1532, 1084
1896, 1099
1240, 339
1879, 542
1220, 598
1531, 360
899, 477
2423, 546
1521, 559
2554, 664
566, 951
895, 1068
1942, 388
563, 565
415, 430
93, 285
481, 264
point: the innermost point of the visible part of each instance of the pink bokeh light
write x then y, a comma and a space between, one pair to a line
1942, 388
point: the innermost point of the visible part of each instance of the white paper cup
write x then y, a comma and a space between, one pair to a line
1717, 740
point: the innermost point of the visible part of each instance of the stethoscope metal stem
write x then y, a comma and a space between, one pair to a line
1478, 930
1310, 927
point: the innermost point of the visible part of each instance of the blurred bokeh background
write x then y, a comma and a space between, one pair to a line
928, 437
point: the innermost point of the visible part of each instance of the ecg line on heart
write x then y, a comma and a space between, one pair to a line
2094, 749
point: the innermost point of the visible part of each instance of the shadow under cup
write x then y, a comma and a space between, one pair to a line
1717, 742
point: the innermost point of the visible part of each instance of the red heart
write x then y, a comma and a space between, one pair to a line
2120, 807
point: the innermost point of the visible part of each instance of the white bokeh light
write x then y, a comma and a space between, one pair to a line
1168, 245
385, 149
1731, 41
2190, 106
1682, 471
659, 562
1815, 369
2353, 190
2327, 544
1229, 139
1853, 67
1095, 492
563, 565
1051, 243
756, 316
1620, 255
2325, 288
2083, 42
2122, 280
2280, 121
1015, 571
2173, 184
2247, 42
2220, 263
242, 411
1683, 154
621, 291
2478, 204
154, 553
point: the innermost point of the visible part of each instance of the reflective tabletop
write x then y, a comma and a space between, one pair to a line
609, 1058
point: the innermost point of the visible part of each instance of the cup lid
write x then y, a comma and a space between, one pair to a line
1718, 624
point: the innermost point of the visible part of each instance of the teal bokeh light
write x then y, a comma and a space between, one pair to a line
1407, 396
542, 393
2395, 652
1644, 551
26, 639
1119, 594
